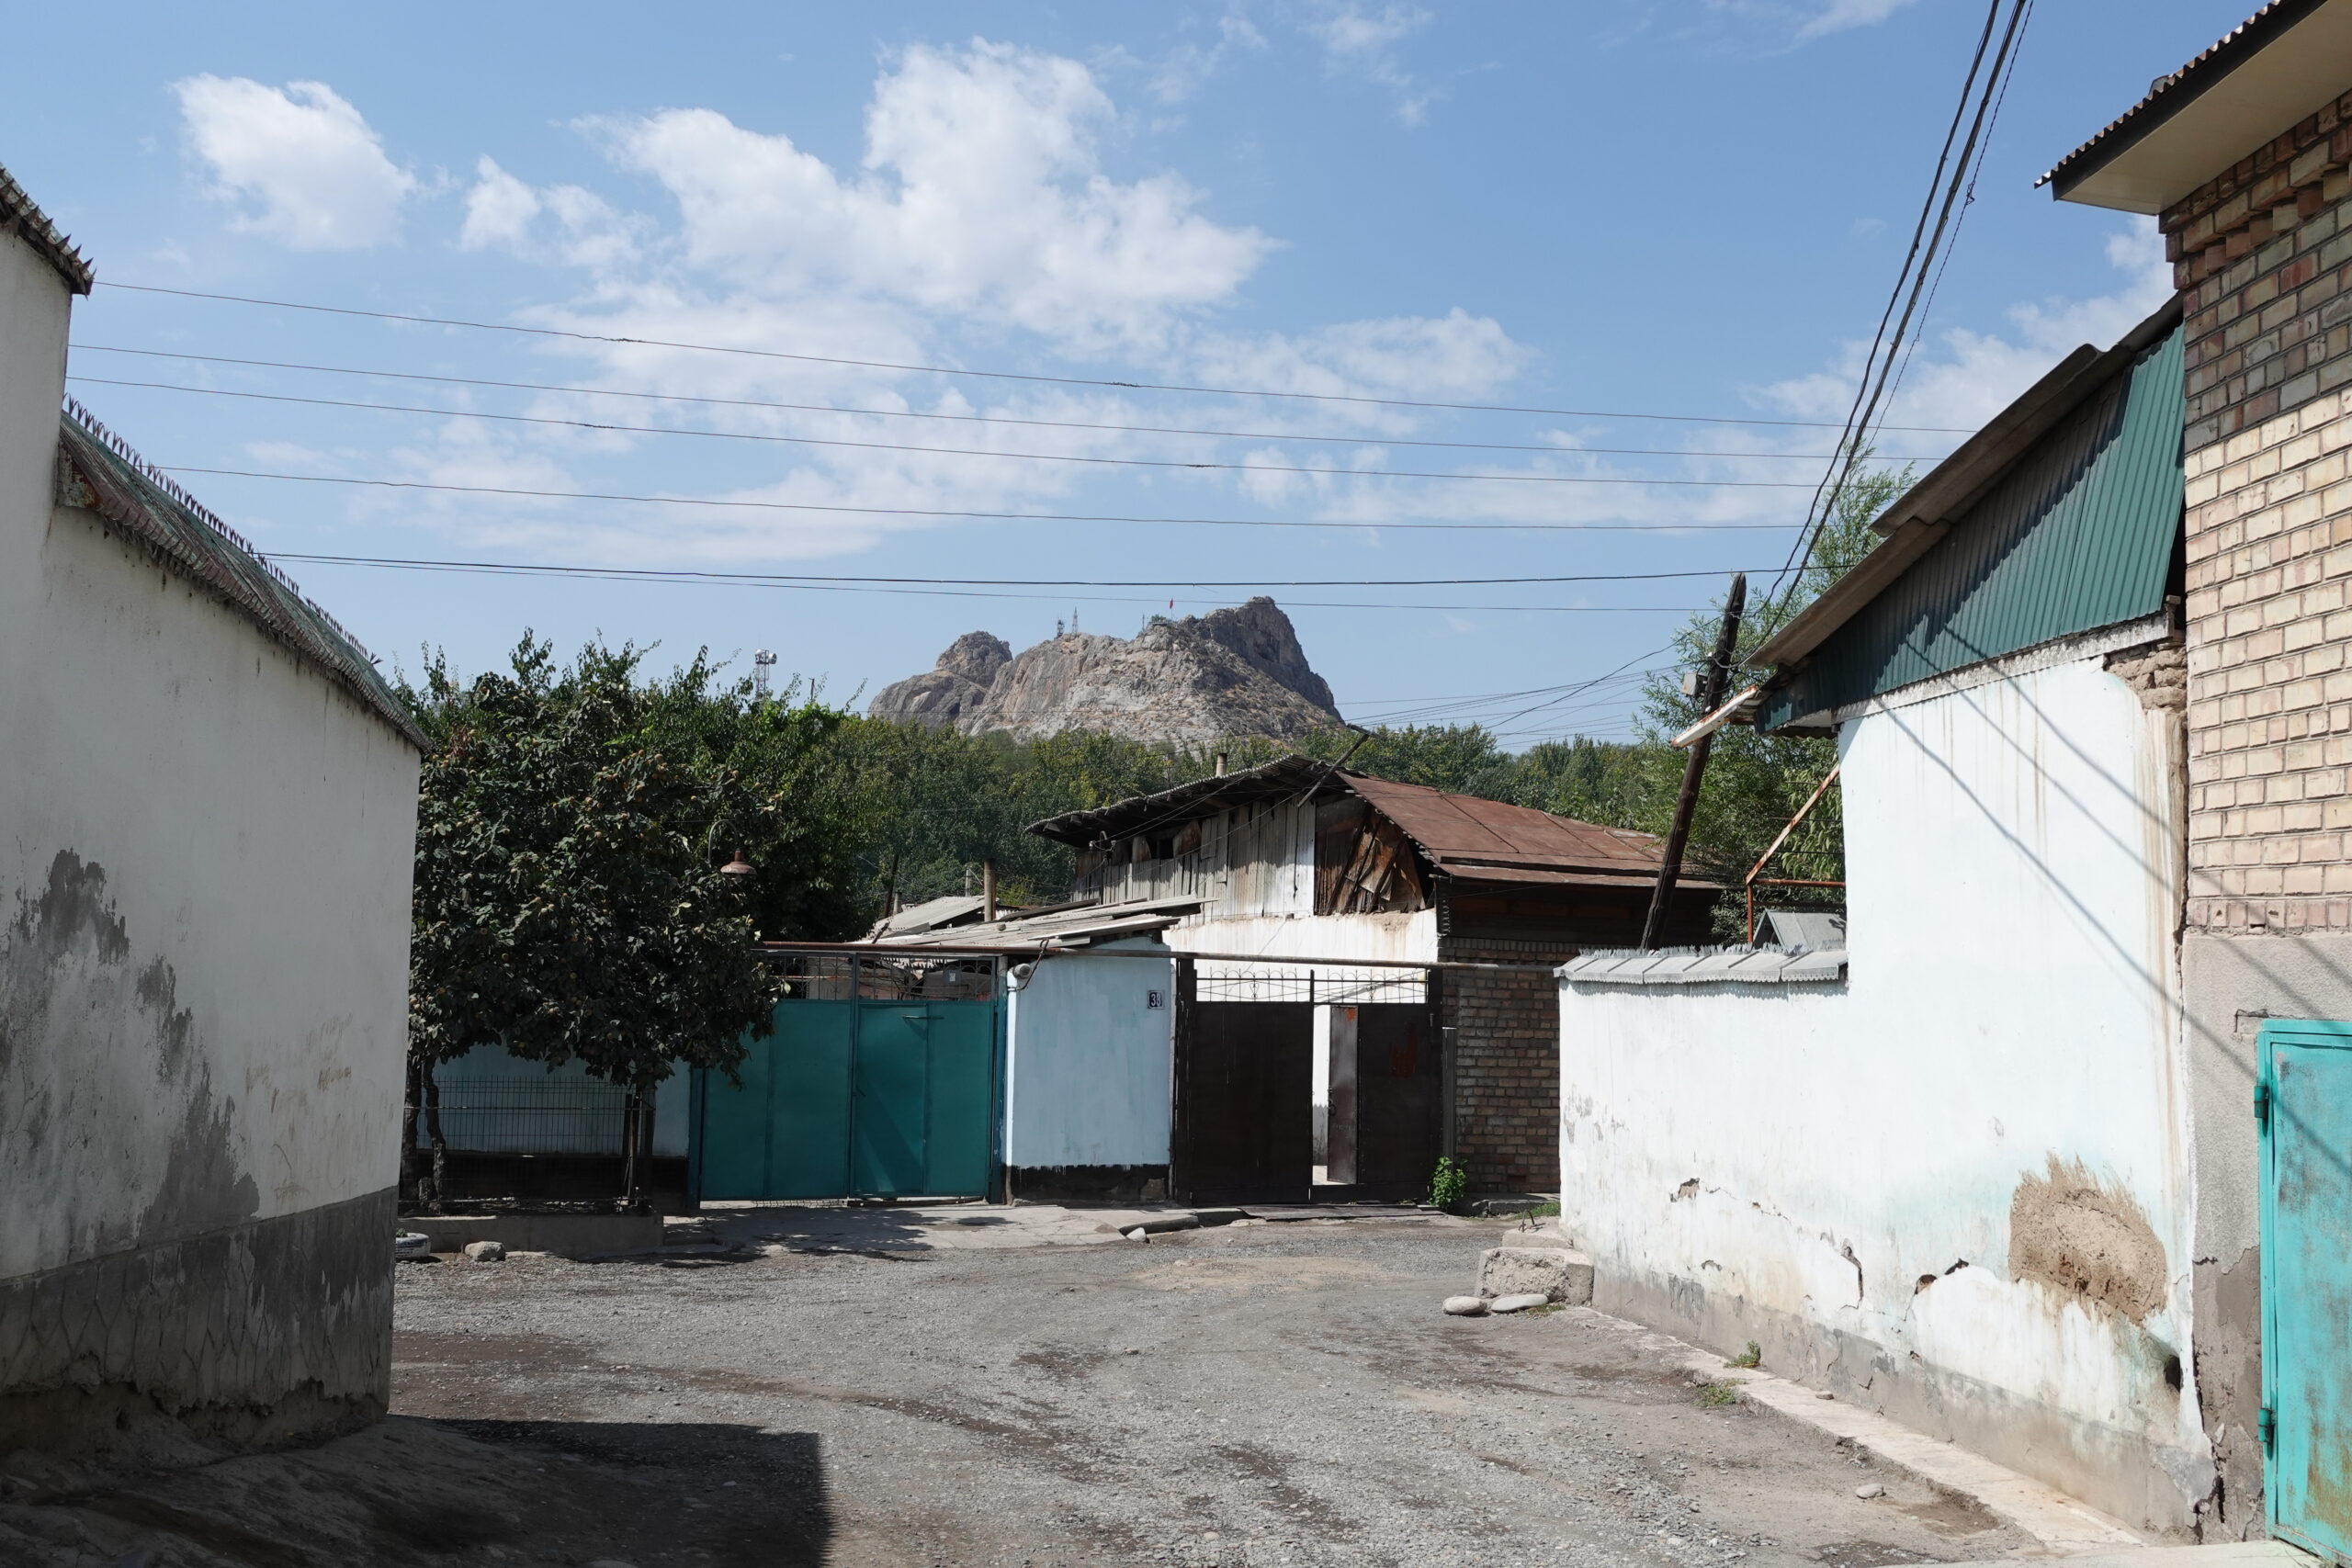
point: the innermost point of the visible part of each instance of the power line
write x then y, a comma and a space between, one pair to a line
1917, 270
947, 451
797, 578
992, 375
980, 516
755, 580
1358, 439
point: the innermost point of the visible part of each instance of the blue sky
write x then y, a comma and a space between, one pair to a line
1680, 206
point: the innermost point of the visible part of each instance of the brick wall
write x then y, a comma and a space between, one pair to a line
2264, 254
1506, 1064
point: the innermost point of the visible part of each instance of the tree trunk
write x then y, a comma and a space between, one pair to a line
632, 1116
435, 1198
409, 1173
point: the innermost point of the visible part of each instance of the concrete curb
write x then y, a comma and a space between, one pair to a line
2063, 1526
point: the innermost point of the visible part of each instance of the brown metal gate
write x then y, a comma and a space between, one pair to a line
1244, 1092
1387, 1119
1243, 1129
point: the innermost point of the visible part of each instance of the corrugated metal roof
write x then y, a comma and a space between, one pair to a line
2079, 533
114, 482
1086, 923
1489, 839
1282, 778
2167, 96
1737, 965
1461, 835
20, 217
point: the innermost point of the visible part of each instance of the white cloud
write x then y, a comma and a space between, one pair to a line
499, 209
1961, 378
982, 192
302, 163
982, 220
1840, 15
1362, 42
1186, 66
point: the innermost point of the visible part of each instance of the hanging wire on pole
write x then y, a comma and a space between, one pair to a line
1981, 90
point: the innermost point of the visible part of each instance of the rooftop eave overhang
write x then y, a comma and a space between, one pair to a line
2284, 63
1914, 525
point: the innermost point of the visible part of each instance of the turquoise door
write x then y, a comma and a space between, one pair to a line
2303, 1102
864, 1099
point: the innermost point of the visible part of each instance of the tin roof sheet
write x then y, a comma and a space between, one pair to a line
1461, 835
112, 481
1738, 965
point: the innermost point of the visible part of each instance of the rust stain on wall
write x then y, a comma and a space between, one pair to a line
2076, 1234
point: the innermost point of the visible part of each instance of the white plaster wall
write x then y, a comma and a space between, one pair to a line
33, 318
1410, 938
1807, 1158
207, 1027
1089, 1062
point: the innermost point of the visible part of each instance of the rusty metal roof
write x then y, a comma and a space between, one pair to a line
1291, 775
107, 477
20, 217
1460, 835
2168, 94
1489, 841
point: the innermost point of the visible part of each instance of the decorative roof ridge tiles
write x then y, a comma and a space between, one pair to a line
112, 479
21, 216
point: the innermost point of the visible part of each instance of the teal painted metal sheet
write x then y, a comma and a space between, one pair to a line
2304, 1103
784, 1132
960, 1138
864, 1098
2078, 535
891, 1110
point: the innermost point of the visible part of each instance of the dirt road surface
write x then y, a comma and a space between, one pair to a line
1253, 1395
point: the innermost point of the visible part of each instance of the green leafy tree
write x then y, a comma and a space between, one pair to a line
568, 902
1756, 781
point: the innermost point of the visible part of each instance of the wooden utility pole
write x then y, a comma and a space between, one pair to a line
1713, 683
987, 891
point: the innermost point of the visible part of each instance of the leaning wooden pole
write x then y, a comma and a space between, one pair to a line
1713, 683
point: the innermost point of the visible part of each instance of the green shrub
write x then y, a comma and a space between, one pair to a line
1448, 1184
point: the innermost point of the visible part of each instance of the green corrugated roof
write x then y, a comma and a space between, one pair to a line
2079, 533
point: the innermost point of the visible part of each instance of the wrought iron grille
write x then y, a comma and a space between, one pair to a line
521, 1116
1230, 982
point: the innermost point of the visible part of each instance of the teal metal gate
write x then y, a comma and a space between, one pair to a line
2304, 1104
856, 1096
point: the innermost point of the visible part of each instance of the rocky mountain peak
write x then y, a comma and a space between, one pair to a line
1235, 672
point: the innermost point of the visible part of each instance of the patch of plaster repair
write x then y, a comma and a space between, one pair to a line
2157, 674
2077, 1235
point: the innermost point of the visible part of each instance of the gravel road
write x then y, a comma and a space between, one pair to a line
1258, 1394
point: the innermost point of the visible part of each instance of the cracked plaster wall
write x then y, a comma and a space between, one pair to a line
205, 853
1957, 1187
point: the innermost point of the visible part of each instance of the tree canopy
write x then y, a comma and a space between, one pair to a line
572, 826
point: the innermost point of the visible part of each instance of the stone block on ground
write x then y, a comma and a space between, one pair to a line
486, 1252
1554, 1273
1465, 1307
